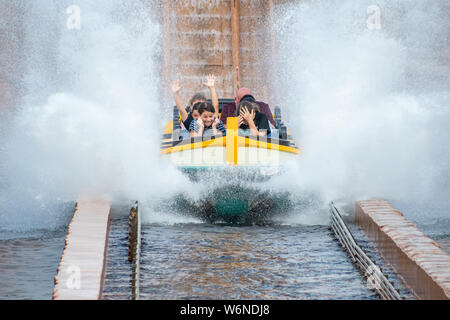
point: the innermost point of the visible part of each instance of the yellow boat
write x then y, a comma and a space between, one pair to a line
223, 40
235, 157
234, 149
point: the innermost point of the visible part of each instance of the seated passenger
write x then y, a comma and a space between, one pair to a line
243, 94
208, 124
250, 118
187, 115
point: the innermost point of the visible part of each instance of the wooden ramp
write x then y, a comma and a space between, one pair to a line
80, 272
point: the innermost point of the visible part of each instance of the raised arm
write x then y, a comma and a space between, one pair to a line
210, 83
176, 87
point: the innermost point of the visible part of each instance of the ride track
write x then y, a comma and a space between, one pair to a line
378, 280
229, 39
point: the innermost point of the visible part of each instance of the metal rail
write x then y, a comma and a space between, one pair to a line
134, 249
375, 277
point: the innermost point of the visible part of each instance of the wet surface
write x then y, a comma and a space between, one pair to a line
117, 283
367, 246
28, 265
444, 243
431, 217
201, 261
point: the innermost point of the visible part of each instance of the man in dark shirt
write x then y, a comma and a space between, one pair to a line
253, 120
229, 110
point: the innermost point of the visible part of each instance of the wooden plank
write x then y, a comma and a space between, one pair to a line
236, 44
81, 269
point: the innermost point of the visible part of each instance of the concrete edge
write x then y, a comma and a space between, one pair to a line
418, 260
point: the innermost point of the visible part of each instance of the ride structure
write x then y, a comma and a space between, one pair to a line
234, 40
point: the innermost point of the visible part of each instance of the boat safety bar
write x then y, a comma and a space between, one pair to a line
134, 248
375, 276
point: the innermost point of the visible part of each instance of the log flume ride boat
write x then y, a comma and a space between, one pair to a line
236, 42
233, 159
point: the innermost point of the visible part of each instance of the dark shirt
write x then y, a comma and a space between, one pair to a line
207, 130
187, 122
229, 110
260, 121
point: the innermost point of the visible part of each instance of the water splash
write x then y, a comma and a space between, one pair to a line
90, 120
370, 108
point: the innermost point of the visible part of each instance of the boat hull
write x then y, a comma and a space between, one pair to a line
232, 161
235, 204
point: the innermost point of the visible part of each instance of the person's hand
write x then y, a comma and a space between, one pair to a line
247, 116
200, 124
240, 120
215, 123
176, 87
210, 81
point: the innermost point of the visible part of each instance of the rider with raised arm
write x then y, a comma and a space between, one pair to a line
187, 116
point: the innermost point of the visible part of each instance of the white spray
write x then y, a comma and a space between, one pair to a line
366, 91
90, 123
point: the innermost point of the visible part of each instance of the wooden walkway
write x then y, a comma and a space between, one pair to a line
80, 272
